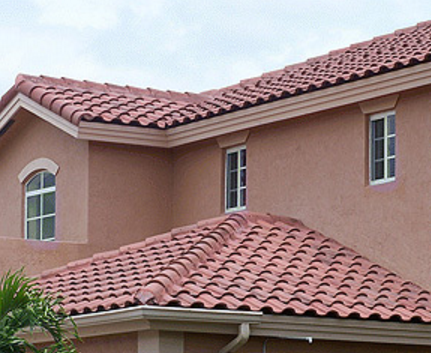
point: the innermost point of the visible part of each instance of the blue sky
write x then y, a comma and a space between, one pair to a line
187, 45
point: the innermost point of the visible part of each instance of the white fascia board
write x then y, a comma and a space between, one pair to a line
226, 322
344, 330
318, 328
150, 317
22, 101
131, 135
149, 312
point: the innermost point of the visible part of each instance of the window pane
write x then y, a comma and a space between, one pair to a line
242, 197
233, 184
48, 180
379, 170
378, 149
391, 146
33, 229
48, 203
243, 158
378, 128
235, 178
233, 199
33, 206
391, 124
232, 161
34, 183
243, 177
48, 228
391, 172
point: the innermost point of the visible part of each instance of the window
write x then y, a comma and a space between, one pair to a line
382, 148
40, 207
236, 179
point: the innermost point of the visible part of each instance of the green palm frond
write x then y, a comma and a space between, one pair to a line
25, 307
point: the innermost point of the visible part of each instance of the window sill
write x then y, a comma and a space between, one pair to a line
382, 181
236, 209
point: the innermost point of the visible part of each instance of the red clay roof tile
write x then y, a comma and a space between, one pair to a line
242, 261
85, 100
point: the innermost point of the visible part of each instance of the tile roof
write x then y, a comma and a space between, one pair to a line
242, 261
85, 100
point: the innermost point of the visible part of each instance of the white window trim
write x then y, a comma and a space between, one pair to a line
373, 117
239, 208
37, 165
33, 193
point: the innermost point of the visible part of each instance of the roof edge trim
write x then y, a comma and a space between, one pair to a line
226, 322
122, 134
22, 101
305, 104
244, 119
268, 113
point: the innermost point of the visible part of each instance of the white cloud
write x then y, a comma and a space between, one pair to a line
95, 14
189, 45
98, 14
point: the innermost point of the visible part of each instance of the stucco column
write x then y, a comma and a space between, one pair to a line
160, 342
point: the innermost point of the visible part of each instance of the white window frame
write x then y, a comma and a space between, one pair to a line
37, 192
237, 150
386, 136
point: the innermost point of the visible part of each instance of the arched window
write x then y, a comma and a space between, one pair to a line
40, 207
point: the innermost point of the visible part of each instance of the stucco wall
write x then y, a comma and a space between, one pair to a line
30, 138
197, 182
199, 343
316, 169
108, 195
124, 343
313, 168
130, 190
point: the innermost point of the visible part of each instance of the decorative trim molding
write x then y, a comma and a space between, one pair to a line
22, 101
334, 97
235, 139
144, 318
355, 92
36, 165
379, 105
122, 134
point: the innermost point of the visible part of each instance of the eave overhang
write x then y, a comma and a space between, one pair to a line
144, 318
264, 114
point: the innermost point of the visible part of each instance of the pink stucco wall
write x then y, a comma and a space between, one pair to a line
124, 343
28, 139
197, 183
130, 194
107, 195
315, 168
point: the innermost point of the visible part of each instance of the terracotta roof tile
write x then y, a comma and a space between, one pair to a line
242, 261
85, 100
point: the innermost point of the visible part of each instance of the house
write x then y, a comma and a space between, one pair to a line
340, 142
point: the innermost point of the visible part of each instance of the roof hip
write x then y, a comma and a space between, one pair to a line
241, 261
198, 254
